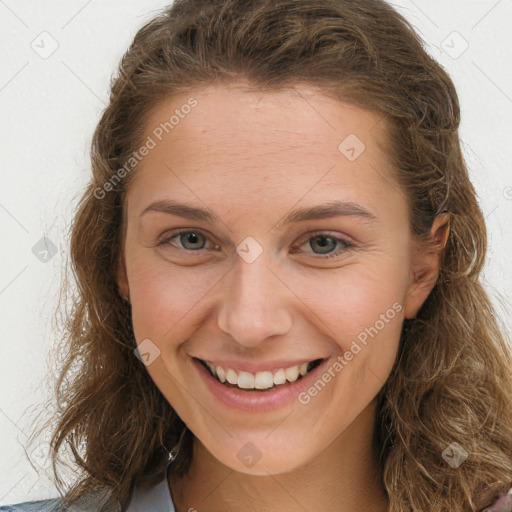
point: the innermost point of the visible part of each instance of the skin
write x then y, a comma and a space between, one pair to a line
251, 158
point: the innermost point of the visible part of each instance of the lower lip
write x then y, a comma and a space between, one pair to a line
258, 401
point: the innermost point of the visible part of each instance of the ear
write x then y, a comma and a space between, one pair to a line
425, 266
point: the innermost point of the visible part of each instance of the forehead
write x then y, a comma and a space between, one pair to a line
242, 142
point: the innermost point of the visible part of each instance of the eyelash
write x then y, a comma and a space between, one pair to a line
346, 244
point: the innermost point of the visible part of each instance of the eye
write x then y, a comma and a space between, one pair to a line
188, 240
324, 243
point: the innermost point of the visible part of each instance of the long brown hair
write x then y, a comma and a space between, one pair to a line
452, 378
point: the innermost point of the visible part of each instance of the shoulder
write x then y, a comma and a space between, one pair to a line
90, 502
32, 506
149, 494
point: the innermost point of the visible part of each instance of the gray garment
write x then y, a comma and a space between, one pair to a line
154, 499
144, 499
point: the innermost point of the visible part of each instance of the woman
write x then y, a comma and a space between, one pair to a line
278, 262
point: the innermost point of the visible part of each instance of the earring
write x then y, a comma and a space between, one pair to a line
174, 451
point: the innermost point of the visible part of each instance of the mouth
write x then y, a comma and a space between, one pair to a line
264, 381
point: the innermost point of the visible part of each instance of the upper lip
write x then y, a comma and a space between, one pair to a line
253, 367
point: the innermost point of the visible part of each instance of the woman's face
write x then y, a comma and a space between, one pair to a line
265, 231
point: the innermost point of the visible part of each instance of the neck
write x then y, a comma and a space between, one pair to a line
344, 477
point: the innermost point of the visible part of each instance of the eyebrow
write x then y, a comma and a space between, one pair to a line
320, 211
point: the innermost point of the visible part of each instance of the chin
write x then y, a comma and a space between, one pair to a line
250, 460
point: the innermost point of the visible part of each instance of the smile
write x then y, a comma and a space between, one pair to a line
263, 380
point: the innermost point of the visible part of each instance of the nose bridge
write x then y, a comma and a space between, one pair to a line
253, 303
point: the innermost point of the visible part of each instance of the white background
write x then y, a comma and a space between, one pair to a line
49, 108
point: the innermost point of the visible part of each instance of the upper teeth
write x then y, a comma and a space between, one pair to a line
260, 380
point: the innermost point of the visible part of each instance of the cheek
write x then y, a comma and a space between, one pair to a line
365, 321
162, 295
360, 307
354, 297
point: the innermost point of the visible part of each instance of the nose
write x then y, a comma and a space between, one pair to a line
255, 303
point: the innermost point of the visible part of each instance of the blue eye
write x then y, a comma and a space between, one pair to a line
326, 245
185, 238
193, 241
